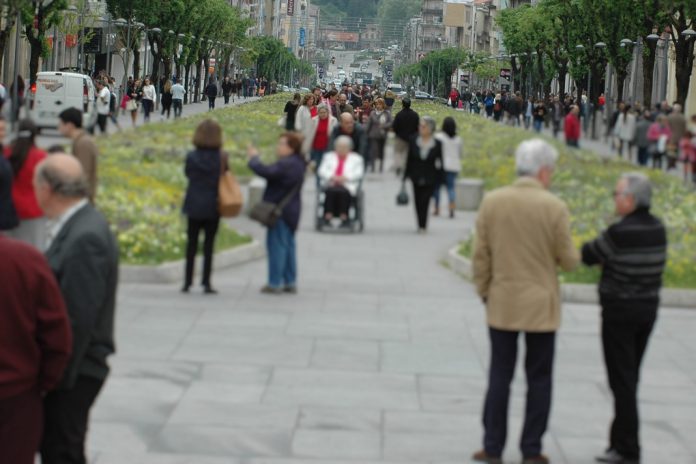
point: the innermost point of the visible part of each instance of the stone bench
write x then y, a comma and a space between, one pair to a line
255, 192
469, 194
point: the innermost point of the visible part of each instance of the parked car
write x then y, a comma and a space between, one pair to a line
423, 95
56, 91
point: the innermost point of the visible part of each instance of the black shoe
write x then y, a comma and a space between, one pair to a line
345, 224
185, 288
268, 290
611, 456
291, 290
208, 290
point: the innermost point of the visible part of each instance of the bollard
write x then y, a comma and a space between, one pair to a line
469, 194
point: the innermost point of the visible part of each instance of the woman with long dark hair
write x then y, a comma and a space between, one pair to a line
23, 156
452, 163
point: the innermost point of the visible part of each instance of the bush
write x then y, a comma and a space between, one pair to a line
585, 182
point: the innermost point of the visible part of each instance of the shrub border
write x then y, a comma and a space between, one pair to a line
579, 293
173, 271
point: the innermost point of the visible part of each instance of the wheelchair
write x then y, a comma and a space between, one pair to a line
356, 212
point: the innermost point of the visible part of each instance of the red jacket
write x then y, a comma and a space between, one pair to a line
35, 335
572, 127
23, 185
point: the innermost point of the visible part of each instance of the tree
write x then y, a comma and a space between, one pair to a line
11, 8
37, 17
682, 16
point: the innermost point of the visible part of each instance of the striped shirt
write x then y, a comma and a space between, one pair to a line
632, 253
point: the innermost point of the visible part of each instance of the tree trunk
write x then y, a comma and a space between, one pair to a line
648, 67
542, 73
4, 34
199, 66
136, 62
684, 51
620, 83
167, 71
187, 73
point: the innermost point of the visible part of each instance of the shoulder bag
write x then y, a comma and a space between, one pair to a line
402, 198
230, 198
267, 213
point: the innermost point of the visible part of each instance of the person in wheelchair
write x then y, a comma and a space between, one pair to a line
340, 174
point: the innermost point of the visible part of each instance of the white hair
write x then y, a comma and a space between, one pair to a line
344, 141
533, 155
639, 186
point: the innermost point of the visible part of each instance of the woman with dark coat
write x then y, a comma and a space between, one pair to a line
424, 166
204, 165
211, 92
284, 177
8, 215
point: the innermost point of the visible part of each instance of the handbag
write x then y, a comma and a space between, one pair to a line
230, 198
268, 213
132, 105
282, 121
402, 198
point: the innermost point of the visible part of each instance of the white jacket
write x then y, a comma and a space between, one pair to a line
303, 118
353, 170
310, 131
626, 130
451, 152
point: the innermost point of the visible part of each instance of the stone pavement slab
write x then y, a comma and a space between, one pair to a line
380, 359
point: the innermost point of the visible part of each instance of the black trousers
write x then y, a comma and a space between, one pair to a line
422, 194
178, 105
21, 426
337, 201
101, 122
210, 228
624, 343
227, 98
66, 415
539, 369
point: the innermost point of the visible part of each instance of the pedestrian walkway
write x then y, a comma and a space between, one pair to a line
381, 358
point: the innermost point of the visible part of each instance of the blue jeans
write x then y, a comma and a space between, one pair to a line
537, 125
450, 179
282, 260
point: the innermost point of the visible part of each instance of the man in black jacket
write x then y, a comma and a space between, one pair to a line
405, 127
632, 254
83, 255
348, 126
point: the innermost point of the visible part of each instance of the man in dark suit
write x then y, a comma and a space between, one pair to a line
83, 254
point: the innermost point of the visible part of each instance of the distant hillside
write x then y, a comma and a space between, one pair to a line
348, 8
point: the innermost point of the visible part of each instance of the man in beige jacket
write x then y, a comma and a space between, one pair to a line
522, 237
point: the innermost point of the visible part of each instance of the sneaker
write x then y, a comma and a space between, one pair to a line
611, 456
268, 290
291, 289
482, 456
541, 459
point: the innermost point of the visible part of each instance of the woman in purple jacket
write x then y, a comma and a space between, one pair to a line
283, 177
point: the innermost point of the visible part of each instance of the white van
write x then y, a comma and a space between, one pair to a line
56, 91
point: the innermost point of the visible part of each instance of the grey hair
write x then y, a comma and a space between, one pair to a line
322, 106
638, 185
345, 141
62, 184
533, 155
430, 122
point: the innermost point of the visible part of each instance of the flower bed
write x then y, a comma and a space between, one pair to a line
585, 182
142, 180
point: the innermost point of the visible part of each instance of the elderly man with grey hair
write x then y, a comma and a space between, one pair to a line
83, 255
522, 238
632, 253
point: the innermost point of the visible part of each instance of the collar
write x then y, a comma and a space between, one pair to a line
55, 226
528, 182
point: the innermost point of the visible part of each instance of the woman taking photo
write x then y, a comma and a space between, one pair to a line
204, 166
452, 163
303, 117
149, 96
23, 156
425, 168
284, 180
290, 111
378, 124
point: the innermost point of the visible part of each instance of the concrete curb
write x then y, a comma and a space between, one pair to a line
580, 293
174, 271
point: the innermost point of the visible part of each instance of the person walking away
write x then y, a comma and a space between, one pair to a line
632, 254
178, 92
498, 108
103, 105
316, 143
8, 213
405, 127
522, 238
203, 168
23, 156
83, 146
88, 286
227, 89
454, 98
659, 134
424, 166
452, 147
211, 92
489, 103
677, 124
687, 156
528, 112
378, 124
340, 174
290, 111
167, 99
539, 116
240, 88
35, 344
284, 181
149, 96
626, 131
611, 129
571, 127
557, 115
640, 138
